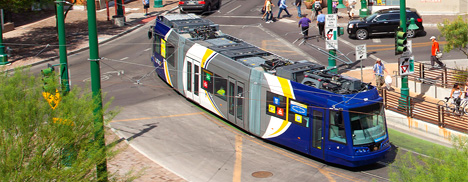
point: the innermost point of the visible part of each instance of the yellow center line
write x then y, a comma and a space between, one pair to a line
236, 176
157, 117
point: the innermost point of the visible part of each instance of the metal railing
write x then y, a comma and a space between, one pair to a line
443, 77
426, 111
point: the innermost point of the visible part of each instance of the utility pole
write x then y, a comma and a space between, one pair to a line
404, 79
332, 52
62, 48
96, 88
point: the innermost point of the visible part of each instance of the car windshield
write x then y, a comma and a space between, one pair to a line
372, 16
368, 124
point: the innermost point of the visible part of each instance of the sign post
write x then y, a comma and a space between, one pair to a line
361, 54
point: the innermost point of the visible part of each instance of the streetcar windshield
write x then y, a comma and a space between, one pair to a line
368, 124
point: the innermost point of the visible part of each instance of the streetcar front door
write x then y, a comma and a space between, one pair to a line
236, 102
192, 79
317, 132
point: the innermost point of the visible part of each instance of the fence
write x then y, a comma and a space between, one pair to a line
443, 77
436, 113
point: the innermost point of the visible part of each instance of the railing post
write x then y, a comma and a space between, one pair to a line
384, 96
421, 71
444, 79
407, 104
439, 114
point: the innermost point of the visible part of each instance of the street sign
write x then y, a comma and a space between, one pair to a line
361, 52
331, 21
406, 65
331, 36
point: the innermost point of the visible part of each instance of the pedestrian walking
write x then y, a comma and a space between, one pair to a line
334, 4
282, 7
298, 5
304, 24
434, 50
351, 5
264, 10
317, 7
379, 69
321, 23
268, 11
145, 6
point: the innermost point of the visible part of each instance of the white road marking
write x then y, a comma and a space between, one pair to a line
147, 49
233, 9
287, 20
376, 41
235, 16
124, 58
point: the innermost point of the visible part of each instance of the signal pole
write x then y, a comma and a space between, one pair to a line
62, 48
404, 79
332, 52
96, 88
3, 56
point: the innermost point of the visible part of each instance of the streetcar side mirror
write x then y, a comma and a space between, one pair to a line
150, 32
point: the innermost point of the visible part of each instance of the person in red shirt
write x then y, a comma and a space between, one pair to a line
434, 50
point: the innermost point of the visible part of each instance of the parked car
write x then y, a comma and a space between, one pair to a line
384, 22
198, 6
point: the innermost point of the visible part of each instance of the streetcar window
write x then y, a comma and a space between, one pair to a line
317, 119
298, 113
170, 56
157, 44
189, 76
276, 105
337, 128
240, 99
195, 81
231, 98
368, 124
220, 87
207, 81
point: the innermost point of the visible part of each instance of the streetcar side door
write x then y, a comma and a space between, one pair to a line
235, 102
317, 131
192, 79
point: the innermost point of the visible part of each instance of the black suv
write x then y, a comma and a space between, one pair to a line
198, 6
384, 22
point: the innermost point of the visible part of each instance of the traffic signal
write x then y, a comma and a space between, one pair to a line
400, 42
48, 78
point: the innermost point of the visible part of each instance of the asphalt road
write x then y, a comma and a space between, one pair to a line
185, 139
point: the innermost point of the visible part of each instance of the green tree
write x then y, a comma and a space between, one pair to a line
456, 34
441, 165
38, 143
16, 6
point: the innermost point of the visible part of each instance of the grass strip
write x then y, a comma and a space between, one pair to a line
413, 143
